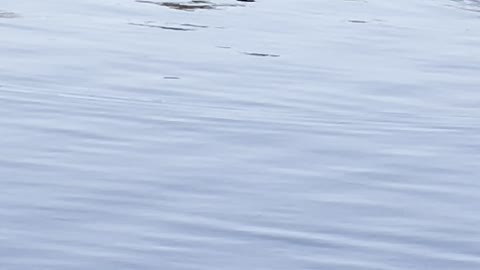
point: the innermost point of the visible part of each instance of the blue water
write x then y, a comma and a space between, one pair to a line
307, 134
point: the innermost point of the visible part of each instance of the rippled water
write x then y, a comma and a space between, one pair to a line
306, 134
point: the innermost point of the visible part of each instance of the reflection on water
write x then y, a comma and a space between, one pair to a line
273, 135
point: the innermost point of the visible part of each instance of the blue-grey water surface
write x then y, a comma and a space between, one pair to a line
306, 134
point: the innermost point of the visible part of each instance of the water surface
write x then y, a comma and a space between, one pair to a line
249, 135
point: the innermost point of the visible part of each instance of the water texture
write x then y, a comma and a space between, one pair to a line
234, 135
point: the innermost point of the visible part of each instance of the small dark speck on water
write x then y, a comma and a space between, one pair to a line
171, 78
357, 21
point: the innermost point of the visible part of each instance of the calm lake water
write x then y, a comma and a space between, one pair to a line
306, 134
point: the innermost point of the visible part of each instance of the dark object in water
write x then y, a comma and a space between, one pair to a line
357, 21
262, 54
246, 0
188, 6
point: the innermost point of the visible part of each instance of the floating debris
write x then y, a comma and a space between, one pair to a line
190, 5
261, 54
171, 78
